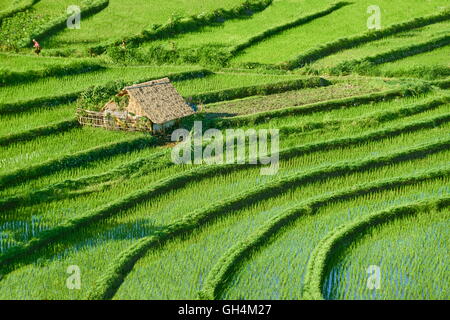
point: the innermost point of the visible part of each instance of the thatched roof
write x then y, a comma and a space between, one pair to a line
160, 100
110, 106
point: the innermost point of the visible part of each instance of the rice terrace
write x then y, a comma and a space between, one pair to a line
224, 150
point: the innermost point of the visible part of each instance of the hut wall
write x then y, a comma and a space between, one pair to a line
134, 107
163, 127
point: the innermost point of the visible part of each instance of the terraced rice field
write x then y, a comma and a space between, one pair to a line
357, 209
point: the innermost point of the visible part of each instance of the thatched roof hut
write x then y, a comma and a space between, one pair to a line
157, 100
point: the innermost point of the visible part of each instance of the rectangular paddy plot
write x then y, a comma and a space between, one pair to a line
343, 88
347, 21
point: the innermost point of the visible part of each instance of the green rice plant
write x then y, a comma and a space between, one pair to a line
205, 245
58, 127
59, 90
365, 65
394, 43
223, 81
429, 65
18, 30
24, 68
97, 29
364, 115
442, 84
277, 270
54, 191
109, 283
370, 119
166, 184
14, 123
356, 123
296, 47
350, 42
337, 90
102, 248
189, 24
25, 171
260, 117
14, 7
156, 160
198, 48
22, 63
45, 194
414, 266
264, 89
297, 22
87, 8
344, 235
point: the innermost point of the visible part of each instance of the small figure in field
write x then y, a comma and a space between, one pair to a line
124, 44
37, 47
